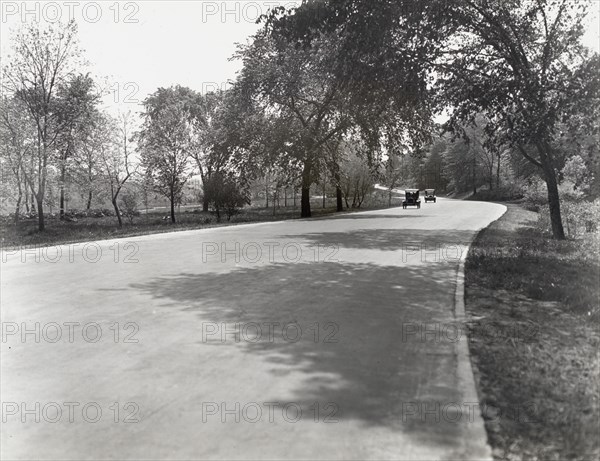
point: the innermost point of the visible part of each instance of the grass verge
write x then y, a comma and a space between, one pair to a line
25, 234
532, 305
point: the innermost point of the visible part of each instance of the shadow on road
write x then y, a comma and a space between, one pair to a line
363, 345
404, 241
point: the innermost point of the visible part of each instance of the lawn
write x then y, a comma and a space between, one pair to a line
57, 231
533, 310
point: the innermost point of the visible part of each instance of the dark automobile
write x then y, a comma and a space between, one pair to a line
411, 198
430, 195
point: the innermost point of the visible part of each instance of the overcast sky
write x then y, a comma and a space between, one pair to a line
143, 45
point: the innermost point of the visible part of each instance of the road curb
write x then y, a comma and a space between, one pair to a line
475, 441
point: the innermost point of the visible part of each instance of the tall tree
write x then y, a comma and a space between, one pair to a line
522, 64
17, 143
295, 84
166, 142
42, 61
77, 101
113, 142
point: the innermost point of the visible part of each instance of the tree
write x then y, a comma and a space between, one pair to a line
17, 141
114, 146
42, 62
294, 84
202, 118
166, 142
225, 192
76, 101
130, 200
89, 166
357, 181
522, 64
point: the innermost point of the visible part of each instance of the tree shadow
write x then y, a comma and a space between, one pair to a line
405, 240
349, 334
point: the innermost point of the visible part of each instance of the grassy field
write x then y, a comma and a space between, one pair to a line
533, 305
26, 233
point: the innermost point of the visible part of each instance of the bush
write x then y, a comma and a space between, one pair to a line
505, 193
129, 204
579, 217
225, 193
536, 194
91, 213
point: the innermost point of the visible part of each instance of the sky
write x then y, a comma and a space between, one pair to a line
142, 45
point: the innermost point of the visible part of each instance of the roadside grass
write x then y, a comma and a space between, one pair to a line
26, 233
533, 309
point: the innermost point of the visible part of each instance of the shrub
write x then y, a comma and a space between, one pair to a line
224, 192
504, 193
129, 204
579, 217
536, 194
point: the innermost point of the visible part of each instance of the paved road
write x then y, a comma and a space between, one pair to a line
324, 339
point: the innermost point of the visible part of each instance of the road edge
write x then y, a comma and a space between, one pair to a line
476, 442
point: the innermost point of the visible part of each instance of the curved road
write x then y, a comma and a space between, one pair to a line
314, 339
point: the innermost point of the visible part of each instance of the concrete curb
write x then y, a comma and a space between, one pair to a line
475, 441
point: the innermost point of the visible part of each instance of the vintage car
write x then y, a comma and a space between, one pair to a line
411, 198
430, 195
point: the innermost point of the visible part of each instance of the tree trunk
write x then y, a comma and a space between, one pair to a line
63, 174
339, 199
324, 199
305, 201
267, 195
40, 212
474, 177
338, 189
117, 212
19, 199
172, 199
498, 171
553, 199
18, 206
491, 173
89, 200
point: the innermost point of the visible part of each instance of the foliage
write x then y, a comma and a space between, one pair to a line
224, 192
356, 178
42, 63
165, 142
522, 64
130, 203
